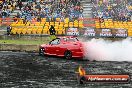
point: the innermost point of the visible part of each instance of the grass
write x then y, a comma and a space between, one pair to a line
24, 42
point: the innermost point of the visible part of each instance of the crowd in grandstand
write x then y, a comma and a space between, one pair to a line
115, 9
50, 9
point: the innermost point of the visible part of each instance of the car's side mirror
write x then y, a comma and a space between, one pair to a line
49, 43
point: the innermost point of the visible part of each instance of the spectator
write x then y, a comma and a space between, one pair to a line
52, 30
20, 5
9, 30
111, 9
4, 14
47, 8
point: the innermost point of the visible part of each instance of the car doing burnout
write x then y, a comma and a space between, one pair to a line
68, 47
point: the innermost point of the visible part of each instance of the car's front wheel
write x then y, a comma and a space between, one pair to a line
68, 54
41, 51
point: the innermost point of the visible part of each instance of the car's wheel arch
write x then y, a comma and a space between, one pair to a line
67, 50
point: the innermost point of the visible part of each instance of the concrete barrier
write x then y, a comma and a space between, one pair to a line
22, 48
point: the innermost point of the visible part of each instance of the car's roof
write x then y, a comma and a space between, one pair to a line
66, 37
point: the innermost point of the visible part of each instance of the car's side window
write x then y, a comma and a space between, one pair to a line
70, 39
55, 42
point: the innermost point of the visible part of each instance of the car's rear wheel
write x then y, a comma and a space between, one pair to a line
68, 54
41, 51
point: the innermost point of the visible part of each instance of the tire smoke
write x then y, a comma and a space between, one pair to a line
106, 50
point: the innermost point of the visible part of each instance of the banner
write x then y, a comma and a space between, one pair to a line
106, 33
90, 32
72, 31
121, 33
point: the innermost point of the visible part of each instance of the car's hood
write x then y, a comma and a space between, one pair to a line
43, 45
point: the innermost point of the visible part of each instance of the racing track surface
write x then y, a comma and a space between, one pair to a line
28, 70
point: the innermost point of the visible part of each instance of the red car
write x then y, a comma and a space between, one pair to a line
68, 47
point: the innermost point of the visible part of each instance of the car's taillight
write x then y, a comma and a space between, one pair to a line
75, 44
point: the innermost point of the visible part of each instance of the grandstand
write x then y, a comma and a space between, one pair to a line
36, 17
114, 14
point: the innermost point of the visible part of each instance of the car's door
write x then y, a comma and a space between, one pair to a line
53, 48
48, 49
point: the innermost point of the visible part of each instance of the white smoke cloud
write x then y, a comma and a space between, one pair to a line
104, 50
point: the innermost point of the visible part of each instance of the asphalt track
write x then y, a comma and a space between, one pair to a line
29, 70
